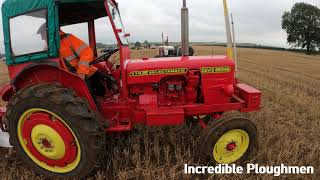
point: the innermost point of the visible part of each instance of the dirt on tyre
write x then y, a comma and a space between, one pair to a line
54, 131
230, 139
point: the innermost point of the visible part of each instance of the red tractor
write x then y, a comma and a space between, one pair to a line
59, 128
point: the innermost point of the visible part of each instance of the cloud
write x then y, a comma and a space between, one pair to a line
256, 21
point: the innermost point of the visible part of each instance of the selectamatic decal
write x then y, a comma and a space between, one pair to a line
207, 70
204, 70
159, 72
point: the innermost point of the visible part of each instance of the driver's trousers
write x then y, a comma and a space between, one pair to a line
98, 83
94, 84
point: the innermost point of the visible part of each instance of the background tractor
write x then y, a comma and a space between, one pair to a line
166, 50
59, 128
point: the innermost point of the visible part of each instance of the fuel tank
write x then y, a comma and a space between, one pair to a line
220, 69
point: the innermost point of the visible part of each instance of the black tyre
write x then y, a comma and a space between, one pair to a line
54, 131
230, 139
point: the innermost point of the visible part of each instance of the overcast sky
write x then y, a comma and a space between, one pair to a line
257, 21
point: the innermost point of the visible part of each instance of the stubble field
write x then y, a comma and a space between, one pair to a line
288, 125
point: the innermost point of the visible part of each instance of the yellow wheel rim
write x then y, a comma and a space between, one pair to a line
231, 146
41, 135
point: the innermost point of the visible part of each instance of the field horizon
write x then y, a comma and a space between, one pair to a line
288, 124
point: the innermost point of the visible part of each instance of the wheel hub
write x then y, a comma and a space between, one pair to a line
231, 146
48, 141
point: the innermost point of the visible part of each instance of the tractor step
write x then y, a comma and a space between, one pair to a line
165, 116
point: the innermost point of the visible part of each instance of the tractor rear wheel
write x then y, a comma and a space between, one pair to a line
54, 131
230, 139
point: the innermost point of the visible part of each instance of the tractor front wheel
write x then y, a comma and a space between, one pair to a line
55, 131
230, 139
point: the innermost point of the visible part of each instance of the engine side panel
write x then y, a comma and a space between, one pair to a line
154, 69
181, 80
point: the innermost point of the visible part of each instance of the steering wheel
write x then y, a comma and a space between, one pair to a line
104, 57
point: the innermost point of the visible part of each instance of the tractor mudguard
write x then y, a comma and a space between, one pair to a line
20, 69
36, 73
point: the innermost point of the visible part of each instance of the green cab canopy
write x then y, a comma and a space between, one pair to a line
59, 13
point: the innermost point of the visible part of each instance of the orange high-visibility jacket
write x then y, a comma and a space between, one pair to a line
77, 53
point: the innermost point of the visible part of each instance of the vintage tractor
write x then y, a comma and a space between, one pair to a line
59, 128
165, 50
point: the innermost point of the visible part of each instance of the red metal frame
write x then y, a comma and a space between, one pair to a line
124, 55
92, 36
147, 99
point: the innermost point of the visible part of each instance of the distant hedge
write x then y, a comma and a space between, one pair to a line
264, 47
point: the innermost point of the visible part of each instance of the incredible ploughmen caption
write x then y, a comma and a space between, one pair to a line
248, 169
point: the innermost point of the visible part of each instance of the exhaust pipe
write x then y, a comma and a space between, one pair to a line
184, 29
234, 46
228, 30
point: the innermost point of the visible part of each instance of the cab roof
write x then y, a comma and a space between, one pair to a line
70, 11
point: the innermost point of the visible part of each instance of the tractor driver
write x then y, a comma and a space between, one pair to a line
77, 56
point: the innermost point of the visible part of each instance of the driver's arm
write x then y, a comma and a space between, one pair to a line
84, 53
